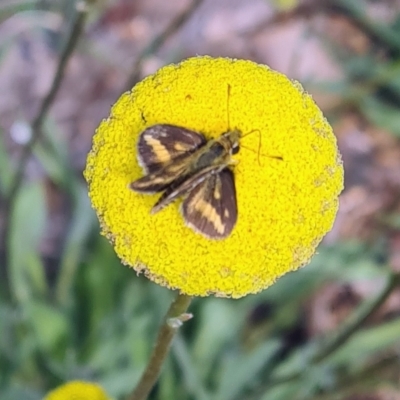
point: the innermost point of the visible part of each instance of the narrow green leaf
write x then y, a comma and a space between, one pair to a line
37, 275
367, 343
242, 370
52, 152
82, 222
381, 114
27, 226
120, 381
5, 166
50, 326
167, 382
190, 375
218, 325
284, 392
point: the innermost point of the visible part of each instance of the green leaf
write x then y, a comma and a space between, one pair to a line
190, 375
5, 166
168, 381
367, 343
99, 279
50, 326
241, 370
52, 152
218, 324
381, 114
27, 226
391, 220
83, 221
284, 392
37, 275
119, 382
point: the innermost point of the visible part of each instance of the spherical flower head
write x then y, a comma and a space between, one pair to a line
285, 204
77, 390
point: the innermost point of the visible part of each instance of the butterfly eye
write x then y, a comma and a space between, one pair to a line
235, 148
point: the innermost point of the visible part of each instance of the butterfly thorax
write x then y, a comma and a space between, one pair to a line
218, 151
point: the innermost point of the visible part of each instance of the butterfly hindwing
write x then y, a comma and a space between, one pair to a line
160, 145
182, 186
210, 207
161, 178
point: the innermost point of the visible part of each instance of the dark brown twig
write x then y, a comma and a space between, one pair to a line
158, 42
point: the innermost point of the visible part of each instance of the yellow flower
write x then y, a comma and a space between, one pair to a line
285, 206
77, 390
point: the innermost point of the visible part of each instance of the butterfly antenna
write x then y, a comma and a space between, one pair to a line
259, 141
227, 106
280, 158
259, 148
252, 150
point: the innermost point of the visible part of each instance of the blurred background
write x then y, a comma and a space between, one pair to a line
70, 310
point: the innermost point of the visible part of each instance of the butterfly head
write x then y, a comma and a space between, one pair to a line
230, 140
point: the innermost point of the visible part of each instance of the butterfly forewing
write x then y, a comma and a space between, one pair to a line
162, 144
210, 207
164, 152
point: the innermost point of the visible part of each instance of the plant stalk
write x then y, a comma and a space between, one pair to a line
174, 318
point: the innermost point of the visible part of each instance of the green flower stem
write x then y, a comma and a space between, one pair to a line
176, 315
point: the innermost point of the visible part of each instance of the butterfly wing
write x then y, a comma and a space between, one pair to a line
160, 145
210, 207
164, 152
184, 185
162, 178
